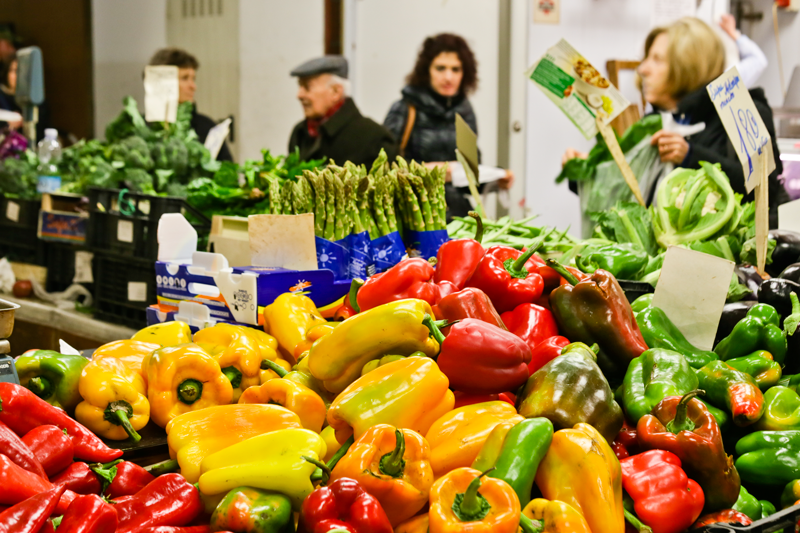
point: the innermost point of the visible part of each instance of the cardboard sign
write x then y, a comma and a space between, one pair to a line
161, 93
691, 291
285, 241
216, 137
789, 216
577, 88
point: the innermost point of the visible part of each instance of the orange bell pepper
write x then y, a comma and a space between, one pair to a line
394, 466
556, 516
457, 437
133, 354
299, 399
464, 501
418, 524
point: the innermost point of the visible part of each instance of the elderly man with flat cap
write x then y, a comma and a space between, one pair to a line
333, 127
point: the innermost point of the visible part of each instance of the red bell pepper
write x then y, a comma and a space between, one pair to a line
79, 477
546, 351
51, 447
458, 259
664, 497
531, 323
350, 305
462, 398
479, 358
344, 504
31, 514
89, 514
410, 278
130, 478
728, 516
169, 500
467, 303
17, 484
22, 411
626, 442
509, 277
171, 529
15, 449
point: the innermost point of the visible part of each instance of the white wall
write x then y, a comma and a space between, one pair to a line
124, 36
388, 35
274, 37
762, 33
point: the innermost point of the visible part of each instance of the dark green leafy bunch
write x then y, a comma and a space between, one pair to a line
18, 176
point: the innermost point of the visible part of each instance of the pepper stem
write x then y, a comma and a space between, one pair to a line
636, 523
326, 472
681, 422
471, 506
341, 452
478, 225
393, 464
352, 296
40, 386
190, 391
519, 264
118, 413
563, 272
164, 467
530, 526
266, 364
233, 375
436, 333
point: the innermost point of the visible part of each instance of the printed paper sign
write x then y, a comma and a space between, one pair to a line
577, 88
691, 291
161, 93
216, 137
744, 126
664, 12
546, 11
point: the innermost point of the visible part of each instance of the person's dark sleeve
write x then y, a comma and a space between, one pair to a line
396, 118
294, 142
388, 143
224, 153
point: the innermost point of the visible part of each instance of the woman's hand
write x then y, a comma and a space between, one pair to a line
728, 25
446, 164
507, 181
572, 153
672, 147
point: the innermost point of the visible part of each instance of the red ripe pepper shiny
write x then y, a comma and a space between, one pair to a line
89, 514
23, 411
30, 515
410, 278
531, 323
458, 259
479, 358
728, 516
626, 443
344, 504
664, 497
467, 303
169, 500
463, 399
546, 351
17, 484
51, 447
15, 449
170, 529
79, 477
130, 479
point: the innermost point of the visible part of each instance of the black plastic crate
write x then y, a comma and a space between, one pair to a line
61, 266
123, 289
20, 214
785, 519
18, 222
126, 223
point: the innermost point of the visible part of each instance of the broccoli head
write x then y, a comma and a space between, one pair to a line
133, 152
171, 154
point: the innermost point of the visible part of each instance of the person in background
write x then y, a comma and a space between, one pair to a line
187, 74
680, 60
8, 101
333, 126
752, 61
444, 75
9, 42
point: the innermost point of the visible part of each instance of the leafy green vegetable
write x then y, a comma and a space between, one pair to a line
627, 222
129, 123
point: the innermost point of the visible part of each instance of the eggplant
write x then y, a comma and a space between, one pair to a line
775, 292
792, 272
732, 313
750, 278
786, 252
781, 236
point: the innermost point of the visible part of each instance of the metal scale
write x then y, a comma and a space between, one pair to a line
8, 372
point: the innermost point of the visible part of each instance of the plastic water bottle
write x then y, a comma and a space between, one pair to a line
49, 153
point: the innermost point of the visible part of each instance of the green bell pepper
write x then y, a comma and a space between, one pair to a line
642, 302
769, 457
734, 390
781, 412
250, 510
53, 377
658, 331
653, 376
759, 330
790, 494
792, 382
751, 506
761, 366
723, 419
515, 454
623, 260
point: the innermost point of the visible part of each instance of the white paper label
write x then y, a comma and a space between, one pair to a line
83, 267
12, 211
691, 291
216, 137
744, 126
66, 349
125, 231
137, 291
161, 93
789, 216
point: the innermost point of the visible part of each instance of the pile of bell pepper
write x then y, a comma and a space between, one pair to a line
493, 391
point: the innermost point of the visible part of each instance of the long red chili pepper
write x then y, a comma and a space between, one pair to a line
30, 515
15, 449
17, 484
89, 514
169, 500
51, 447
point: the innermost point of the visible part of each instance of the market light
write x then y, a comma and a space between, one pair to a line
790, 157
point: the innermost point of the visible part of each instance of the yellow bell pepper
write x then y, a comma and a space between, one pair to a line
239, 353
115, 404
418, 524
463, 501
457, 437
408, 394
182, 379
272, 461
194, 436
165, 334
299, 399
328, 434
581, 470
133, 354
267, 373
289, 319
395, 328
556, 516
314, 334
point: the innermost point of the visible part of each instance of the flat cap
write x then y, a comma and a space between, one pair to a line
322, 65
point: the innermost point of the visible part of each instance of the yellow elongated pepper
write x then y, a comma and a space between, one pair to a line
194, 436
297, 398
165, 334
115, 404
289, 319
133, 354
272, 461
581, 470
395, 328
556, 516
184, 378
408, 394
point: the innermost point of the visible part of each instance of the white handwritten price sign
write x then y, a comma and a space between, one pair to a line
752, 143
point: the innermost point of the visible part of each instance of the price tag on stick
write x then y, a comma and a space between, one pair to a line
619, 157
752, 143
161, 93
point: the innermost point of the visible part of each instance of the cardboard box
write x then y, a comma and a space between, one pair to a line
60, 220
